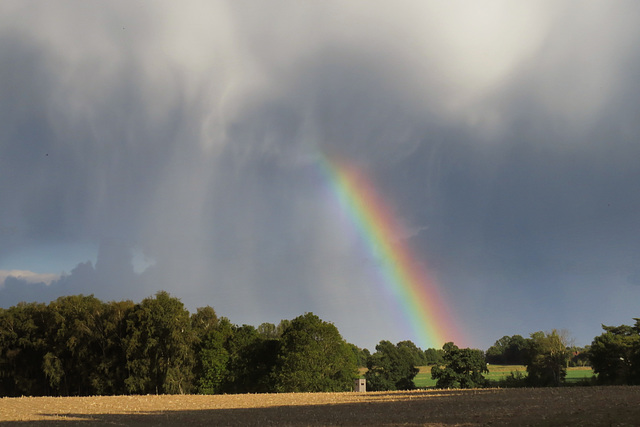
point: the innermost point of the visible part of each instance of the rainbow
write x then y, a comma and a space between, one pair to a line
406, 278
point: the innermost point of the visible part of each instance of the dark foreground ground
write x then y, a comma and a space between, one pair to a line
586, 406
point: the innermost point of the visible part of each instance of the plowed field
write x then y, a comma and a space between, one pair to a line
589, 406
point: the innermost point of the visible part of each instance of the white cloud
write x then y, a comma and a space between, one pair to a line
29, 276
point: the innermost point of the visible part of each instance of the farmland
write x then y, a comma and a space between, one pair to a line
498, 372
545, 406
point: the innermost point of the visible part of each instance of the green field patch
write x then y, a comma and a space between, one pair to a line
496, 373
500, 372
578, 374
424, 380
574, 374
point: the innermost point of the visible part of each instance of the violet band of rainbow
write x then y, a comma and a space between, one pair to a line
405, 276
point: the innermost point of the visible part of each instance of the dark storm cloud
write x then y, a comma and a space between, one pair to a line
634, 278
58, 178
503, 137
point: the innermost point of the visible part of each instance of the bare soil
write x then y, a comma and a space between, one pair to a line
586, 406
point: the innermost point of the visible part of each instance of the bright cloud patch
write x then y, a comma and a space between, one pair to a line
28, 276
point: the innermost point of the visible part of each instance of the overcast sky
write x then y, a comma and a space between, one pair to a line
174, 145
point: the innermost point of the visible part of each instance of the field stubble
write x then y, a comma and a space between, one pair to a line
588, 406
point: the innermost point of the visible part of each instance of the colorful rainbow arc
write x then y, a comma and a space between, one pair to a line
405, 277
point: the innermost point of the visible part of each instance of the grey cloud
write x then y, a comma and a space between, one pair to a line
634, 278
190, 132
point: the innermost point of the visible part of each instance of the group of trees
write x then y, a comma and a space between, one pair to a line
463, 368
393, 367
79, 345
614, 356
545, 355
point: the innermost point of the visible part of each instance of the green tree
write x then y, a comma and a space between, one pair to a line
282, 326
419, 358
495, 353
24, 329
159, 347
547, 359
433, 356
391, 367
463, 368
75, 348
362, 354
252, 360
515, 353
313, 357
508, 351
109, 372
203, 321
268, 331
615, 355
213, 358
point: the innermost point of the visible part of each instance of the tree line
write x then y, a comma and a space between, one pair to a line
614, 357
79, 345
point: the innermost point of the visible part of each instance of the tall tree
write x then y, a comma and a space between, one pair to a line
362, 354
391, 367
463, 368
508, 351
75, 347
282, 326
203, 321
433, 356
212, 358
419, 358
109, 374
23, 343
268, 330
615, 355
252, 359
547, 359
159, 346
313, 357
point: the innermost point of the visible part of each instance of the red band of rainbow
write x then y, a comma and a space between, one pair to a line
424, 308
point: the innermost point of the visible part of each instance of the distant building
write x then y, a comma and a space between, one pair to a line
360, 385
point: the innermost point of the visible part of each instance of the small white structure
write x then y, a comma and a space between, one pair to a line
360, 385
